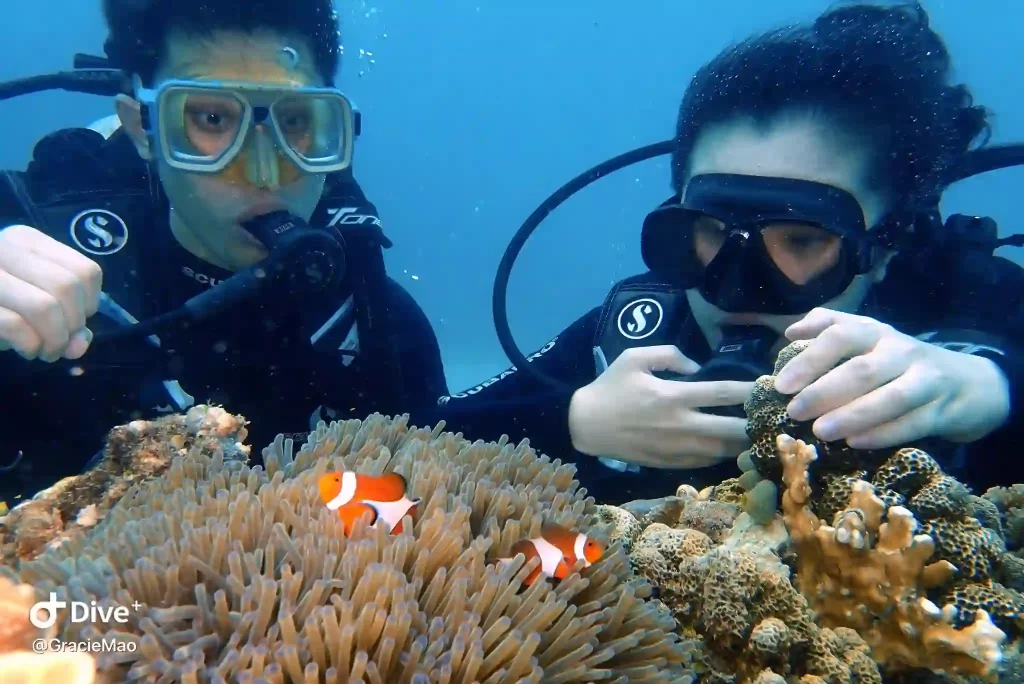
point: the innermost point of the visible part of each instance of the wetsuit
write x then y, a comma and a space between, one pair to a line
971, 303
374, 349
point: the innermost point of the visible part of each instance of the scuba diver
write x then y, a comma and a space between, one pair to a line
214, 248
808, 164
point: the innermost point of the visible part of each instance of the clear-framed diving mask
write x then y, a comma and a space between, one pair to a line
203, 126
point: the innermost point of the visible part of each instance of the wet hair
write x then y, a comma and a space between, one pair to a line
138, 30
877, 72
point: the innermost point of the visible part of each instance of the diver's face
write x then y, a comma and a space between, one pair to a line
210, 207
800, 147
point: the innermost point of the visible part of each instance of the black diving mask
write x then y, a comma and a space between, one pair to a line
759, 244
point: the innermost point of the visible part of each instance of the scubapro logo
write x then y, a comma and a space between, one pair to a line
99, 232
640, 318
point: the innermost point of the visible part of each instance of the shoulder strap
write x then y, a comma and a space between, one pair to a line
346, 209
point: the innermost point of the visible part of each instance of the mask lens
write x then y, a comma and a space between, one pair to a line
708, 235
680, 243
676, 243
202, 126
801, 251
313, 128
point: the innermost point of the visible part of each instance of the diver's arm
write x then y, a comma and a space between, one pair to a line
989, 322
516, 404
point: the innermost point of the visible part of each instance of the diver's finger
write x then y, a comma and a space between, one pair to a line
835, 343
41, 311
713, 393
38, 242
17, 335
59, 282
726, 428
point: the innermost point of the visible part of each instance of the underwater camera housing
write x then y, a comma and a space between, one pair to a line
741, 355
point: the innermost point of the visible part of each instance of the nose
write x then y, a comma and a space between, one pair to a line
262, 160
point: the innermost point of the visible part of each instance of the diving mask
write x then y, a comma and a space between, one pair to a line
759, 244
203, 126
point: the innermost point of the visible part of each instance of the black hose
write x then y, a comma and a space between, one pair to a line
32, 84
103, 82
989, 159
499, 297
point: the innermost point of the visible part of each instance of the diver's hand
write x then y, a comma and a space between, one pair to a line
893, 389
629, 414
47, 291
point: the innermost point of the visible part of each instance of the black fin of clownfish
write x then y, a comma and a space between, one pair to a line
375, 514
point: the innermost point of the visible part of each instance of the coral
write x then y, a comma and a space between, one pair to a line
767, 418
16, 632
930, 493
973, 549
624, 528
736, 596
241, 574
873, 576
908, 478
986, 512
1011, 571
1005, 606
1010, 503
133, 453
728, 491
22, 661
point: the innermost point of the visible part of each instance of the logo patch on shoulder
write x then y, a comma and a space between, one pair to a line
99, 232
640, 318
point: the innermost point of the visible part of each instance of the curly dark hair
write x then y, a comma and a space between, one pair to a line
875, 70
138, 29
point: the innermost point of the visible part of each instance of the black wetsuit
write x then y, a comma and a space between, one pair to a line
974, 304
257, 359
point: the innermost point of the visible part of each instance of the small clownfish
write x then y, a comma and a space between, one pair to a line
558, 549
353, 496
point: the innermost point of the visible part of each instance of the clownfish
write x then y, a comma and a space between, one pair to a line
353, 496
558, 549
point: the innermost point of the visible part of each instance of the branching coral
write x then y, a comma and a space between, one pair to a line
244, 575
906, 477
872, 576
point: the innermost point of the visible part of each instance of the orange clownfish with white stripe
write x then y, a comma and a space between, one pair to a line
558, 549
381, 498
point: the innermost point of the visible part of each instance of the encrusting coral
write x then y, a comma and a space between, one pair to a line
718, 570
243, 575
133, 453
873, 576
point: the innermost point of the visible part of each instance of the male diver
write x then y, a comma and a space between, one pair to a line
215, 248
807, 167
